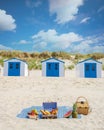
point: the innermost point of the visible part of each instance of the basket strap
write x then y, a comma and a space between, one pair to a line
82, 98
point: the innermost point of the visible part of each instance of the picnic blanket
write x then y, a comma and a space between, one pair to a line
61, 111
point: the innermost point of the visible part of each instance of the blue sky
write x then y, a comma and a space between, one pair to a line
75, 26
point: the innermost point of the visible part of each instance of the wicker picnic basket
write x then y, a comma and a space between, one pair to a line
82, 105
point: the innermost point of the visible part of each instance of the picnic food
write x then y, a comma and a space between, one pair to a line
33, 112
68, 114
74, 112
45, 112
54, 111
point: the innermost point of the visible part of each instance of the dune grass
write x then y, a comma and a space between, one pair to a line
34, 59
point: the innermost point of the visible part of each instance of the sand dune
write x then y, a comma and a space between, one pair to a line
17, 93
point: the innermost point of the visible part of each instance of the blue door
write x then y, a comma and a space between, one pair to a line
90, 70
52, 69
14, 69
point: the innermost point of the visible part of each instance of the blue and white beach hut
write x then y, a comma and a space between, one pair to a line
15, 67
53, 67
89, 68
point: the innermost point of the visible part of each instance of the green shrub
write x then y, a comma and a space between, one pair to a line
54, 54
34, 55
34, 59
34, 64
97, 56
44, 55
64, 55
75, 61
1, 62
103, 67
70, 67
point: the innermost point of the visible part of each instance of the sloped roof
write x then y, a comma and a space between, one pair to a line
54, 59
89, 59
16, 59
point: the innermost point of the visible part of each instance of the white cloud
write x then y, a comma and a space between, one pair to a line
53, 40
95, 40
31, 4
98, 49
85, 20
80, 48
89, 44
40, 45
7, 22
65, 10
4, 47
86, 48
100, 9
23, 42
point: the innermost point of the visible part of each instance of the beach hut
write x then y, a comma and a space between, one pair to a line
89, 68
53, 67
15, 67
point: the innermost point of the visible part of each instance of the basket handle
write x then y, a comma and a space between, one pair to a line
82, 98
90, 110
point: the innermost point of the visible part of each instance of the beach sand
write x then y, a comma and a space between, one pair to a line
18, 93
